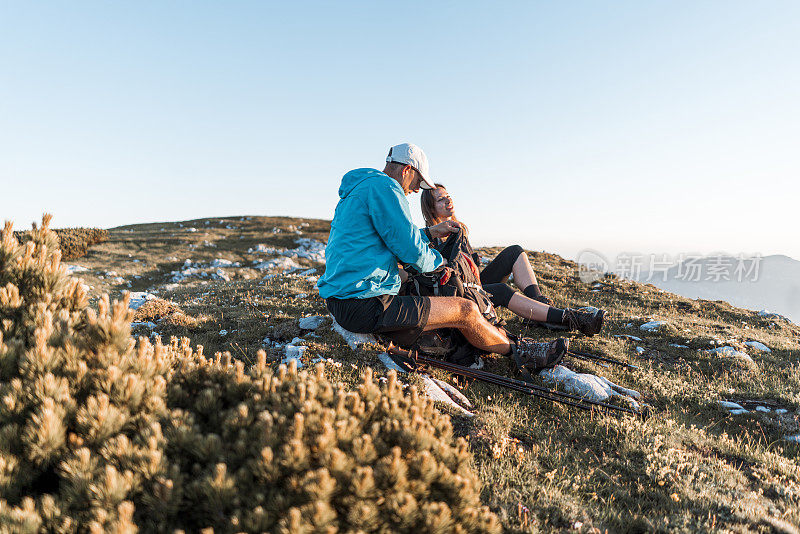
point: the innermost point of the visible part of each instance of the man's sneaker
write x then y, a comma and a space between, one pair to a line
588, 321
533, 357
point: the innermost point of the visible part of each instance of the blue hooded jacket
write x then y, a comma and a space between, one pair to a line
371, 231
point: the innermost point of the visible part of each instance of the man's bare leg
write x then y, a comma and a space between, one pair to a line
528, 308
463, 314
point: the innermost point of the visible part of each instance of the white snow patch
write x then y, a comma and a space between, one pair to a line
729, 351
138, 298
436, 393
180, 276
352, 339
200, 269
454, 392
592, 387
763, 409
223, 332
627, 336
220, 262
309, 248
781, 411
728, 405
71, 269
265, 249
145, 324
284, 264
758, 346
639, 350
795, 438
652, 326
678, 346
434, 389
294, 351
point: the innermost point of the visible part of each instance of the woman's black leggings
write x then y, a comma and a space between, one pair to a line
495, 275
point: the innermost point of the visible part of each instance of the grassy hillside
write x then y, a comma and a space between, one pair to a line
229, 283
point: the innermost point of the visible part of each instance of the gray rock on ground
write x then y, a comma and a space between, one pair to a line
311, 323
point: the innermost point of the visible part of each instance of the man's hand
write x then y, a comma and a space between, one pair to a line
403, 274
444, 228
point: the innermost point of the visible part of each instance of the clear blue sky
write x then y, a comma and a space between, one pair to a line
641, 126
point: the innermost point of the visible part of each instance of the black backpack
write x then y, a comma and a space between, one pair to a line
459, 278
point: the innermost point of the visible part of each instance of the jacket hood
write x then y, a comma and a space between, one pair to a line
355, 177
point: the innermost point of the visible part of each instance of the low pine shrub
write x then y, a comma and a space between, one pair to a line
74, 243
99, 433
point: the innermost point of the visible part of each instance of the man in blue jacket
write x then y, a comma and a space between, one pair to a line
371, 232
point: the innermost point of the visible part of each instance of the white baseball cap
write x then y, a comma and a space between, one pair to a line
409, 154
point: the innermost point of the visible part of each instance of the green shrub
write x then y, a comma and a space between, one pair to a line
73, 242
99, 433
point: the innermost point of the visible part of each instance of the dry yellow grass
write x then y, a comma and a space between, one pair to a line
691, 467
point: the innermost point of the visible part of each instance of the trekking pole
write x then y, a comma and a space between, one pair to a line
596, 357
526, 387
543, 393
498, 380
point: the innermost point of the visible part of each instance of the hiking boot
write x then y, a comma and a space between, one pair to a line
532, 357
588, 321
556, 327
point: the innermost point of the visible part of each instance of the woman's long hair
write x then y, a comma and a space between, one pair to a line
428, 205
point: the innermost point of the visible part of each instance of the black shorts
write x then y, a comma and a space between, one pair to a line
500, 268
400, 319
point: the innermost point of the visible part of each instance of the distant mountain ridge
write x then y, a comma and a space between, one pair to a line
758, 283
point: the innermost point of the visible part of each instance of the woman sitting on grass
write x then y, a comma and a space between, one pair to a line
437, 206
